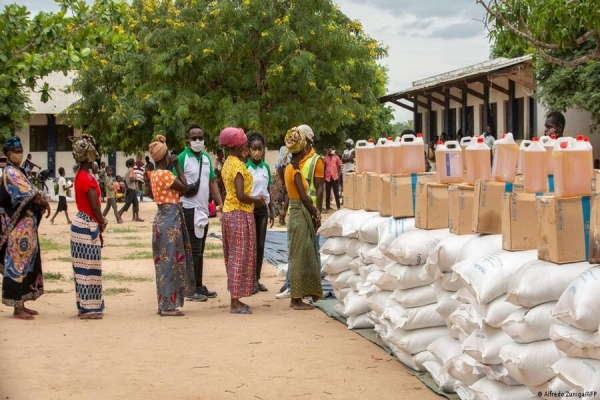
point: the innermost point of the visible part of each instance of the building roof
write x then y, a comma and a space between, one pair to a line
59, 100
463, 75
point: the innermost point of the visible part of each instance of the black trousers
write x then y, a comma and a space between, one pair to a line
336, 193
197, 245
130, 198
261, 219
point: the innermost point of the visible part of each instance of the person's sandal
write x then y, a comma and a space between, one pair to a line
171, 313
91, 315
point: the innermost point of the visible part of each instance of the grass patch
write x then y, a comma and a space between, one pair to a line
134, 245
213, 246
113, 291
124, 229
137, 255
62, 259
49, 244
213, 254
120, 277
55, 291
52, 276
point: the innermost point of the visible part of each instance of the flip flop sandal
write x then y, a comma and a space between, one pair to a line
24, 316
31, 312
171, 313
91, 316
242, 310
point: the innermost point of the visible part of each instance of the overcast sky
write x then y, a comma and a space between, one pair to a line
424, 37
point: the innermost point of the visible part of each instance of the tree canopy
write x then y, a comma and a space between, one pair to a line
33, 47
265, 65
563, 37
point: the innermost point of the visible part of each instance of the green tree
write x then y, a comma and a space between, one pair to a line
563, 37
552, 27
33, 47
260, 64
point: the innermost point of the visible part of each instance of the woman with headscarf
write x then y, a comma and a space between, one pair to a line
170, 240
22, 207
86, 232
304, 219
237, 223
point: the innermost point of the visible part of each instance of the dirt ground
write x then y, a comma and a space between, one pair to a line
133, 353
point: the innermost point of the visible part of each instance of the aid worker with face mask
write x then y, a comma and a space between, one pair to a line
197, 167
261, 183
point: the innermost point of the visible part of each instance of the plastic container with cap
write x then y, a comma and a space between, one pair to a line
380, 164
388, 156
535, 173
548, 143
506, 157
412, 154
464, 142
573, 167
448, 162
396, 166
365, 156
524, 144
479, 163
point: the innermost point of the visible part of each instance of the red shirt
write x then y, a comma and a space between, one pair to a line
84, 181
332, 167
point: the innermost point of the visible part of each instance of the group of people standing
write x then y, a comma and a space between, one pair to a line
181, 187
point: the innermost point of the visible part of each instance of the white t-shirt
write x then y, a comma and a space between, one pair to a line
190, 166
262, 179
62, 186
348, 166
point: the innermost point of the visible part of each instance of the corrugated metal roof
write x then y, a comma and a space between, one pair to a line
479, 69
60, 100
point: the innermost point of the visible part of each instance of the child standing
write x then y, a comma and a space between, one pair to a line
130, 194
111, 201
62, 195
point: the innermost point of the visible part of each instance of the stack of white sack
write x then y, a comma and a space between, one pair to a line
485, 282
343, 266
438, 268
578, 336
379, 295
409, 322
453, 370
535, 288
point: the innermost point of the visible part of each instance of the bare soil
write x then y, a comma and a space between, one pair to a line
133, 353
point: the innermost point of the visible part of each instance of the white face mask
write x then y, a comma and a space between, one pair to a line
197, 145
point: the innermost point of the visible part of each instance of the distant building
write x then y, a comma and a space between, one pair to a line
499, 92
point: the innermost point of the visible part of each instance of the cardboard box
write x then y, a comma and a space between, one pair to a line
404, 191
595, 229
349, 183
431, 210
460, 209
563, 228
385, 196
371, 191
358, 191
487, 208
519, 223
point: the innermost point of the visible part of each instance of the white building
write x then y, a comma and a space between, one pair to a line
499, 92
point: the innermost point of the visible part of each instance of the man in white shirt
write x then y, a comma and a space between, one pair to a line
348, 157
197, 167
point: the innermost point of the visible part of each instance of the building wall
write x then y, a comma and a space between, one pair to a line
65, 158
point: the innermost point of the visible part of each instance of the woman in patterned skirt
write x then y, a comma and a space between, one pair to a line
305, 274
22, 207
237, 223
170, 241
86, 232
